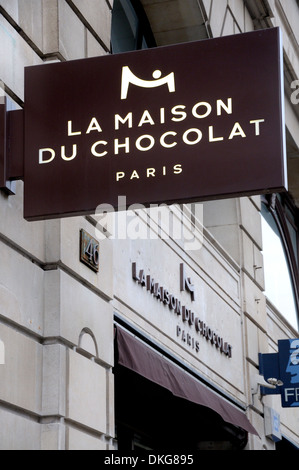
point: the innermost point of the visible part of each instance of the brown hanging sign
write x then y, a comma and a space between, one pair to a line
175, 124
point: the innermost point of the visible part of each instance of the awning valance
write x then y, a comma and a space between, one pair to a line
138, 357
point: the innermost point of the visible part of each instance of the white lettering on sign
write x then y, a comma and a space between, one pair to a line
46, 160
50, 154
150, 172
70, 129
292, 393
95, 146
145, 142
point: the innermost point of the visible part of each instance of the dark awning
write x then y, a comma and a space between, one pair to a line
143, 360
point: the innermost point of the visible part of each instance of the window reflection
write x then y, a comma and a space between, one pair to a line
130, 27
279, 287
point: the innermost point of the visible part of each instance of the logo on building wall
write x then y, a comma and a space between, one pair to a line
128, 78
186, 283
190, 327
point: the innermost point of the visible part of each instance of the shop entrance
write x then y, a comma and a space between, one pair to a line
149, 417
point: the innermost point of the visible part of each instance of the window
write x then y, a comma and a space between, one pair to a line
130, 27
280, 250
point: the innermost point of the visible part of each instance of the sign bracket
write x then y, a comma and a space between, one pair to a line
11, 147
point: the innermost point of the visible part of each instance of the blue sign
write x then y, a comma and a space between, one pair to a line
289, 371
283, 366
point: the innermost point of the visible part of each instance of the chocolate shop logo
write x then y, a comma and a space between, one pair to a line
128, 78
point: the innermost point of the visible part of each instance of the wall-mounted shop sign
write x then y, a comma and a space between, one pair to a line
181, 123
190, 326
282, 368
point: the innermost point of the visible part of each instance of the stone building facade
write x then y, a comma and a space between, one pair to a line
60, 384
